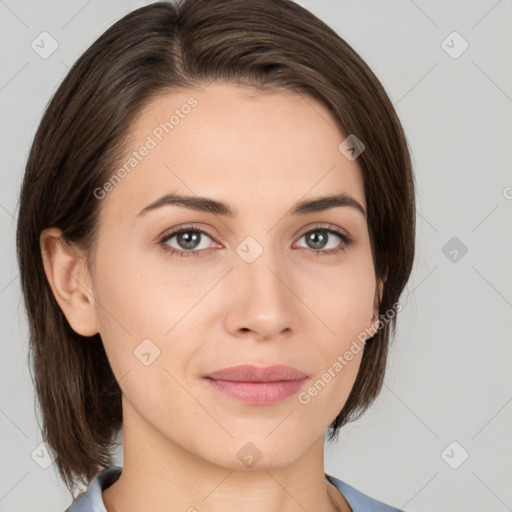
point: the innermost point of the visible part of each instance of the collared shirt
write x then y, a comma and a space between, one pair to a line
92, 500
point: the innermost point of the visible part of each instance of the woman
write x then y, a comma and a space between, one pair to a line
216, 224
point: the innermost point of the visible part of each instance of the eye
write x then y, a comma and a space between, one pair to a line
320, 237
189, 241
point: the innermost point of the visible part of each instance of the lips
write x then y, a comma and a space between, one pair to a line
257, 385
251, 373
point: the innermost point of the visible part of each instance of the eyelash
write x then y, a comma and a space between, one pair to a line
346, 240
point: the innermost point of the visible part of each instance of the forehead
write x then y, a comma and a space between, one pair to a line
237, 144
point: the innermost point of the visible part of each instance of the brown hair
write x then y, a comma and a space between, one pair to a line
160, 48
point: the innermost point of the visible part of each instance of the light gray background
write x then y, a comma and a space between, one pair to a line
449, 375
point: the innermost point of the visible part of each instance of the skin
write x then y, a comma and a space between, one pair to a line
260, 152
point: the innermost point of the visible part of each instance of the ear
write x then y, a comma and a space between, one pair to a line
69, 280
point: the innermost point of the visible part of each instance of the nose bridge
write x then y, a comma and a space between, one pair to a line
264, 275
263, 299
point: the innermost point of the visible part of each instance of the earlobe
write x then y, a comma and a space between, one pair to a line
70, 281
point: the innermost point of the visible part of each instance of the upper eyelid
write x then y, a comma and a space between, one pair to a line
327, 226
184, 228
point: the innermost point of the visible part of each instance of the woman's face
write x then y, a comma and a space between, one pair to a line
261, 286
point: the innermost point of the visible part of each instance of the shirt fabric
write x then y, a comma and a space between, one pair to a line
92, 500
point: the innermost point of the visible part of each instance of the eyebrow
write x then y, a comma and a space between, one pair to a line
205, 204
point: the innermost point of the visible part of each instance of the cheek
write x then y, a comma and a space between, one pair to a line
345, 308
143, 309
125, 308
342, 296
345, 313
135, 296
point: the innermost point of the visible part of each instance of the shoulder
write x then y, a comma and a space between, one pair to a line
358, 501
91, 500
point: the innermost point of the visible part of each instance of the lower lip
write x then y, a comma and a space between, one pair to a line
258, 393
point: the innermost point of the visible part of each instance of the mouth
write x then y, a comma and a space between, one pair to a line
257, 385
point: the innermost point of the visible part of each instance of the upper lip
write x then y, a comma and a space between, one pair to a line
251, 373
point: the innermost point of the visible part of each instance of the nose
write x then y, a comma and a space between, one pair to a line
262, 301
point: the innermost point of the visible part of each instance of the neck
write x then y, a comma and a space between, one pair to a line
160, 475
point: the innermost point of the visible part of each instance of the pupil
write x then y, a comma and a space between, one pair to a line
318, 241
188, 240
